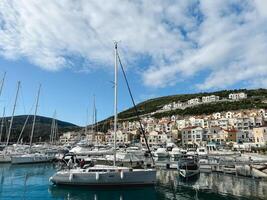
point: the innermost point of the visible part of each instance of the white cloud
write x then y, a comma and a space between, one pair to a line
182, 38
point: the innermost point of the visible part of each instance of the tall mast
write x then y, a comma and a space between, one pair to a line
2, 124
53, 128
86, 121
115, 99
93, 116
4, 110
35, 112
95, 125
2, 83
13, 112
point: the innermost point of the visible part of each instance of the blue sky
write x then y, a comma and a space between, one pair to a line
168, 48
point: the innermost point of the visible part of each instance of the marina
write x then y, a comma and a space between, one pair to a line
31, 182
132, 100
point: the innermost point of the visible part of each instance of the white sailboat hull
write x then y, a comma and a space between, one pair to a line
29, 159
5, 158
128, 178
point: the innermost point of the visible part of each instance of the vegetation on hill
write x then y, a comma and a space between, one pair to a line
42, 129
215, 107
254, 100
153, 105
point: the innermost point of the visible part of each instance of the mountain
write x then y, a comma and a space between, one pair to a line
256, 98
42, 128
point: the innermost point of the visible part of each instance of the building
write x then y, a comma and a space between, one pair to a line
70, 137
192, 135
122, 137
193, 101
216, 115
209, 99
228, 115
238, 96
260, 136
155, 138
230, 135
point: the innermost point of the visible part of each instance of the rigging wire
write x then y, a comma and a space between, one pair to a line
135, 108
25, 123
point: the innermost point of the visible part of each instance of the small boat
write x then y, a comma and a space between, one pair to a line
161, 153
170, 146
202, 151
188, 166
78, 150
136, 151
175, 153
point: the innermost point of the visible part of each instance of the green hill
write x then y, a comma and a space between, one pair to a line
255, 99
42, 128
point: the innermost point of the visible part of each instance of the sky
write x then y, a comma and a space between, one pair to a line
167, 47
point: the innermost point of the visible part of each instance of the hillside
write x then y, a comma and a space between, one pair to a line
42, 128
255, 99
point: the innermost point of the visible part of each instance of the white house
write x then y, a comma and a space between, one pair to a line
155, 138
216, 115
193, 101
238, 96
192, 135
211, 98
228, 115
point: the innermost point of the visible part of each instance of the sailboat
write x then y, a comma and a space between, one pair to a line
104, 175
9, 151
32, 157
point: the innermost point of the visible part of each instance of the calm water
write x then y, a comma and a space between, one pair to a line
31, 182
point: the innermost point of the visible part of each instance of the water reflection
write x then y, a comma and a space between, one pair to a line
31, 182
70, 193
215, 184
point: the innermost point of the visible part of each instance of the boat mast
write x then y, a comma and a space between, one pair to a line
2, 83
93, 116
13, 112
86, 120
4, 110
53, 128
2, 123
34, 118
115, 100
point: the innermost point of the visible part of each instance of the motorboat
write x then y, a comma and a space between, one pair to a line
78, 150
188, 166
136, 151
175, 152
170, 146
161, 153
202, 151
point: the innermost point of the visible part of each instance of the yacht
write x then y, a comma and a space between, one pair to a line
202, 151
78, 150
175, 153
104, 175
170, 146
188, 166
161, 153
